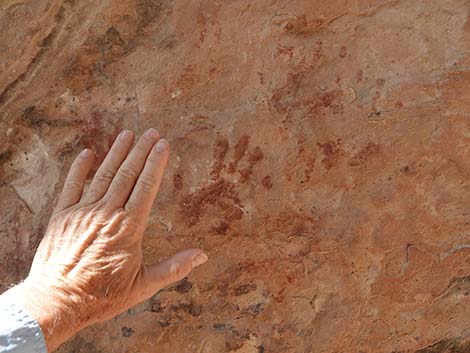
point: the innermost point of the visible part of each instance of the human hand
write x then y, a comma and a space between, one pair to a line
89, 266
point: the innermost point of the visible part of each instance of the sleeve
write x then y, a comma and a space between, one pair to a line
19, 331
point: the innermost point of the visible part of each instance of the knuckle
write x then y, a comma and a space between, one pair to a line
143, 146
129, 173
106, 176
103, 206
122, 215
72, 184
147, 182
91, 196
132, 208
120, 212
127, 222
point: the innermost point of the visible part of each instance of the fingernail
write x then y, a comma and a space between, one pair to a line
86, 153
199, 259
125, 135
162, 145
151, 133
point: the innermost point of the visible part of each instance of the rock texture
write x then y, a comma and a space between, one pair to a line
320, 154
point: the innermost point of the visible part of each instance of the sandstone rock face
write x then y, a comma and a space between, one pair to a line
320, 154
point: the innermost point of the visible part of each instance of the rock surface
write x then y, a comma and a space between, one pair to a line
320, 154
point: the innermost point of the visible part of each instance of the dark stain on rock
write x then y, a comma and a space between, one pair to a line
299, 167
304, 163
149, 11
256, 155
292, 224
233, 343
331, 153
178, 179
191, 308
113, 37
156, 306
86, 69
163, 323
459, 285
447, 346
6, 156
232, 167
202, 22
233, 213
359, 75
197, 122
221, 327
363, 155
216, 169
111, 46
183, 286
245, 174
467, 22
232, 335
31, 117
285, 96
187, 80
245, 288
222, 227
193, 205
327, 98
127, 332
220, 148
253, 310
405, 170
241, 147
253, 157
374, 113
79, 345
267, 182
34, 117
219, 152
380, 82
285, 51
297, 25
47, 41
337, 108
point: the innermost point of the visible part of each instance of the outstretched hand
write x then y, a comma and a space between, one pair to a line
89, 266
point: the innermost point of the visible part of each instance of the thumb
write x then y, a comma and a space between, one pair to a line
173, 269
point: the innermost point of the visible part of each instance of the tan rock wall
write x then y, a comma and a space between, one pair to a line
320, 154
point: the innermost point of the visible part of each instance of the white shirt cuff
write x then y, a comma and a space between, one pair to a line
19, 331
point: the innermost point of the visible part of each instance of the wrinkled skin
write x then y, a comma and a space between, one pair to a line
89, 266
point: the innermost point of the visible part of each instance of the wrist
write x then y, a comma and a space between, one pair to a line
50, 307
